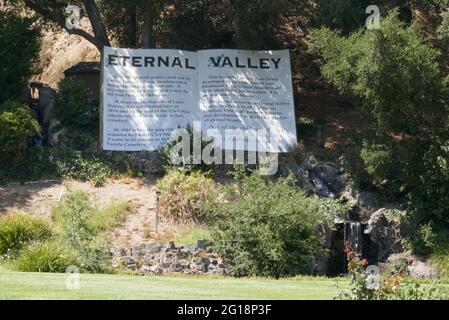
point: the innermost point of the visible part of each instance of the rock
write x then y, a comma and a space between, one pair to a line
326, 172
202, 245
183, 259
367, 204
122, 252
384, 234
170, 246
422, 269
306, 165
46, 103
153, 248
156, 269
145, 269
304, 181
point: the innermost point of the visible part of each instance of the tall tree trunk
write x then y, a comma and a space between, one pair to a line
132, 26
147, 31
97, 23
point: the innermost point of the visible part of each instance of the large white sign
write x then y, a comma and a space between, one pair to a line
149, 93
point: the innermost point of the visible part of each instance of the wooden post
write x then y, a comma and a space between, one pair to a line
158, 194
102, 61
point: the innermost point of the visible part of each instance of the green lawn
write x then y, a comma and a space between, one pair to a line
18, 285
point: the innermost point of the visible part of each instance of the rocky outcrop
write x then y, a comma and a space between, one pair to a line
413, 265
384, 233
157, 258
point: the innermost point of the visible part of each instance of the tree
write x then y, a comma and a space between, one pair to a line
188, 23
54, 11
395, 78
19, 47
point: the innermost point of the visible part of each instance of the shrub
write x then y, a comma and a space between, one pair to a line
440, 259
84, 167
398, 286
19, 43
48, 256
17, 127
268, 228
72, 218
378, 161
73, 106
168, 152
182, 195
191, 234
401, 91
96, 168
105, 219
16, 230
82, 226
443, 30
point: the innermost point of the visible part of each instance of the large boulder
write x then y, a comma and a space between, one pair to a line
384, 233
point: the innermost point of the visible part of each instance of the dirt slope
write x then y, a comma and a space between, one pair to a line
60, 51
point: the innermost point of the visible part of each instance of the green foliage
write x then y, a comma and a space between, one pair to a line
173, 150
183, 194
19, 43
397, 286
440, 258
73, 106
411, 289
344, 15
17, 127
399, 86
378, 161
72, 217
395, 77
110, 217
16, 230
268, 228
82, 227
84, 167
190, 235
50, 256
443, 29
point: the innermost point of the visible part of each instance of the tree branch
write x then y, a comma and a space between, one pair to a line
97, 22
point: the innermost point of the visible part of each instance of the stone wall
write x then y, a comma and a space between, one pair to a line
158, 258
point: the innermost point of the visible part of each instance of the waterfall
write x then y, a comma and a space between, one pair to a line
354, 236
321, 188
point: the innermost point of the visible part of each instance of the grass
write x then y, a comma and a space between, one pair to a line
190, 235
18, 285
440, 259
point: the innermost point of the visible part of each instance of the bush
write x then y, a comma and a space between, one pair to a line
16, 230
82, 227
73, 106
105, 219
19, 43
268, 228
167, 153
398, 286
182, 195
17, 127
84, 167
440, 259
378, 161
401, 91
443, 30
48, 256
